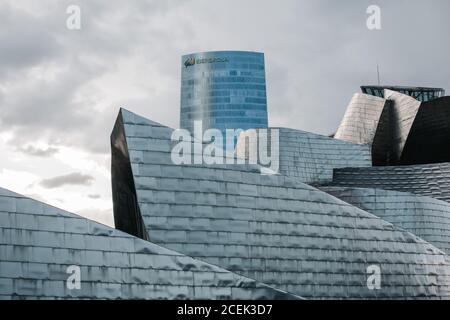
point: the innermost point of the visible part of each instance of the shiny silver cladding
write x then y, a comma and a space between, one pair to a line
426, 217
311, 157
39, 242
361, 119
432, 180
400, 129
274, 229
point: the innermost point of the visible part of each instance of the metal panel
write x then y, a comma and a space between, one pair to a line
113, 264
291, 226
432, 180
425, 217
310, 157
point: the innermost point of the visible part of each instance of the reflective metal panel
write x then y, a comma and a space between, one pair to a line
113, 265
278, 230
424, 216
431, 180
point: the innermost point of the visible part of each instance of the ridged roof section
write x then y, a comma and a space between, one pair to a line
272, 228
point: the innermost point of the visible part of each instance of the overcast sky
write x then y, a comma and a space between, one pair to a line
61, 89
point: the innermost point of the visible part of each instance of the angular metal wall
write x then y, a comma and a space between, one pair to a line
400, 129
39, 242
426, 217
123, 191
274, 229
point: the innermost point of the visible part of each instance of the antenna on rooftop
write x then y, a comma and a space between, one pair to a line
378, 73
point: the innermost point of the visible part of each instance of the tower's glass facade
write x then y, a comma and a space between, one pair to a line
224, 90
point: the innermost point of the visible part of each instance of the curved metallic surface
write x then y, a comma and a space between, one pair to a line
402, 115
361, 119
367, 120
426, 217
400, 129
39, 243
274, 228
311, 157
431, 180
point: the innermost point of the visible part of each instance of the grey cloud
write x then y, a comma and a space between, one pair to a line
69, 179
317, 53
49, 94
25, 42
38, 152
94, 196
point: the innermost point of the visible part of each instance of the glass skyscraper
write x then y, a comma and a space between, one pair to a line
224, 90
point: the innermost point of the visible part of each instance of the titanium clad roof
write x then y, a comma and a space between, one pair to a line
426, 217
311, 157
39, 242
432, 180
274, 229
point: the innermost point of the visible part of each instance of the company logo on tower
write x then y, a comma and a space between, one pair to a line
192, 61
189, 62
